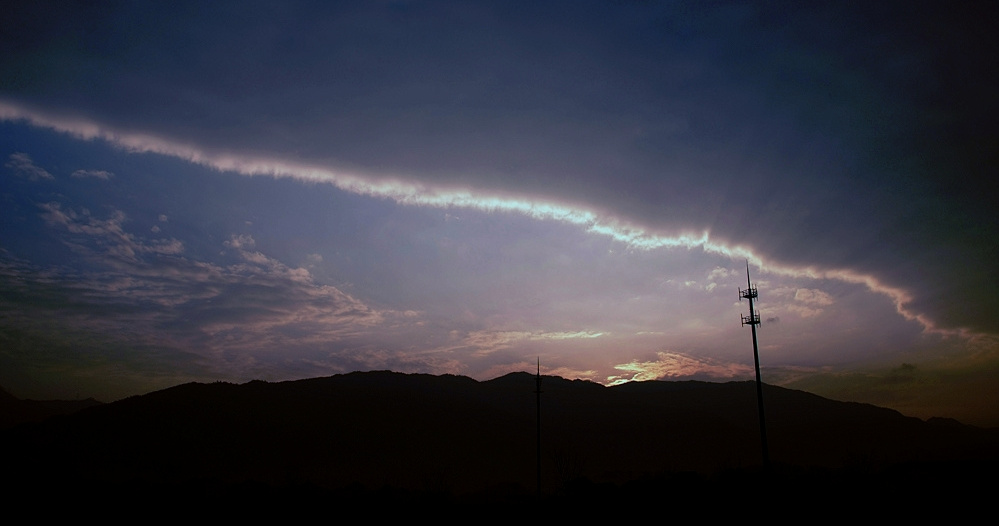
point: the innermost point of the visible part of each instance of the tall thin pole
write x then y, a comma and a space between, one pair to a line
537, 390
753, 320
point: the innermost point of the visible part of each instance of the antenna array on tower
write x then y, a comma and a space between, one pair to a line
753, 319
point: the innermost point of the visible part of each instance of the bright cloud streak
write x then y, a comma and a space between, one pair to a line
463, 188
673, 365
410, 193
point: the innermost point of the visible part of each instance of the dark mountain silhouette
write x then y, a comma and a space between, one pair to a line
383, 437
15, 411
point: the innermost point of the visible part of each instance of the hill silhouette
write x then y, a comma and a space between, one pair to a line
379, 437
14, 411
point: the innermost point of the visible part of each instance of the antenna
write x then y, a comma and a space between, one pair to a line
537, 391
753, 320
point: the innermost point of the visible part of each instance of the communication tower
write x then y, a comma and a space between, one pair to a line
537, 391
753, 320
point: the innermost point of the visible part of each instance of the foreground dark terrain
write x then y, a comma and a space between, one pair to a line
414, 440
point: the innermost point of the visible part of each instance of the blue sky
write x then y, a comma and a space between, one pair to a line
243, 191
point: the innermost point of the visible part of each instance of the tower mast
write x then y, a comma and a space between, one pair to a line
537, 390
753, 320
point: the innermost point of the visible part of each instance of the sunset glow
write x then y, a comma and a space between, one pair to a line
586, 190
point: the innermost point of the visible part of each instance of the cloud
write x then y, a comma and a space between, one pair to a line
673, 366
240, 242
485, 342
649, 130
718, 273
809, 303
106, 236
156, 228
93, 174
22, 165
813, 297
708, 136
412, 191
147, 294
805, 311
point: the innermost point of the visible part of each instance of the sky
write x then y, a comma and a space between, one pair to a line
231, 191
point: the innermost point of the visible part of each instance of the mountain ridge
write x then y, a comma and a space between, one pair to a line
452, 435
14, 411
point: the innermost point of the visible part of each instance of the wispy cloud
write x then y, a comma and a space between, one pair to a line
92, 174
485, 342
238, 316
413, 192
22, 165
106, 236
809, 303
813, 297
